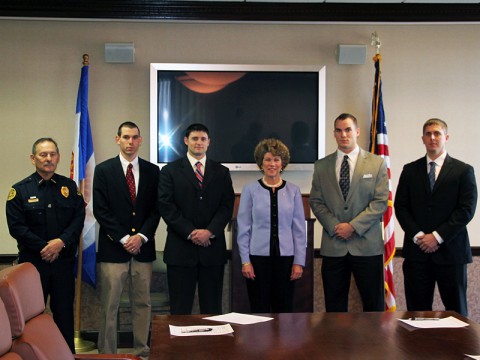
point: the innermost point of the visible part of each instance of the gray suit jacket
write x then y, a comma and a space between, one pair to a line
364, 207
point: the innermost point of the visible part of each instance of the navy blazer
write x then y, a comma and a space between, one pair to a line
185, 207
116, 214
447, 209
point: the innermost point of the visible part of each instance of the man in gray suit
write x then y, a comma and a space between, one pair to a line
349, 196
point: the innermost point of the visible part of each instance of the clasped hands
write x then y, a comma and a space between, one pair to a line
51, 251
133, 244
344, 231
201, 237
427, 243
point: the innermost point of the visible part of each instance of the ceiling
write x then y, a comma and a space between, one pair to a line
369, 2
249, 10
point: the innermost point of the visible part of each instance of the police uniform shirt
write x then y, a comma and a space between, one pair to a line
40, 210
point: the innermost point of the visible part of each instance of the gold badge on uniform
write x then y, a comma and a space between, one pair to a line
65, 192
11, 194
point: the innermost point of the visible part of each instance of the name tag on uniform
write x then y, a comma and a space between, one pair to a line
33, 199
367, 176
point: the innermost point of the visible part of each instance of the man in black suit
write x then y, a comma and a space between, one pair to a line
196, 201
435, 200
125, 206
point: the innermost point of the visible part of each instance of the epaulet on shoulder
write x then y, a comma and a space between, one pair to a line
66, 179
24, 181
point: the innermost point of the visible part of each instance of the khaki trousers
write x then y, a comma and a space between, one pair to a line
113, 277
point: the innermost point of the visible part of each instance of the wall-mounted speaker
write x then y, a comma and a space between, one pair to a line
119, 53
351, 54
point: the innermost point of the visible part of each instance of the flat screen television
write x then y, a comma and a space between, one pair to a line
240, 105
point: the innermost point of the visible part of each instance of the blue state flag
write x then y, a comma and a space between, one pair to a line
82, 166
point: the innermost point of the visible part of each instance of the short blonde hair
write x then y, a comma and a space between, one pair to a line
274, 146
436, 121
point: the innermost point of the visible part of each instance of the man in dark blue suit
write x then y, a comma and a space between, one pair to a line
435, 200
125, 206
196, 201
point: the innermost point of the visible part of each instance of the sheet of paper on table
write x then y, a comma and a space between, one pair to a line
476, 357
431, 323
237, 318
200, 330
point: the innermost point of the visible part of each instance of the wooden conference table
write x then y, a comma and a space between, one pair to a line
318, 336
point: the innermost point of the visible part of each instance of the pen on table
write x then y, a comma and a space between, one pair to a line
421, 319
197, 330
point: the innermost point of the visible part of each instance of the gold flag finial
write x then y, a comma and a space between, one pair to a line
376, 42
85, 60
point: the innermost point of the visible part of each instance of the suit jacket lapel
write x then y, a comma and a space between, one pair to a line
118, 171
331, 174
188, 172
357, 172
444, 171
209, 173
423, 173
141, 181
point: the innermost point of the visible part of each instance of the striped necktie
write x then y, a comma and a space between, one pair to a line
431, 174
199, 173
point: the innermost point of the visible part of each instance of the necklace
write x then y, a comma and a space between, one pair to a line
264, 181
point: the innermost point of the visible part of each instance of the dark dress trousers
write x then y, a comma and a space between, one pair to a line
447, 209
185, 206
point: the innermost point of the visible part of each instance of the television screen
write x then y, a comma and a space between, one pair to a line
240, 105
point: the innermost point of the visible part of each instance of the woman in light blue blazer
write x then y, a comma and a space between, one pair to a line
271, 232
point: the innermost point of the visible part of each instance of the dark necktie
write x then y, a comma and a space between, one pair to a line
131, 183
344, 180
198, 173
431, 174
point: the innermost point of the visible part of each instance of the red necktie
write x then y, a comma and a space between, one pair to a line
198, 173
131, 183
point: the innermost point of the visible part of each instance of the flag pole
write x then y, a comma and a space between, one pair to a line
376, 92
379, 146
81, 345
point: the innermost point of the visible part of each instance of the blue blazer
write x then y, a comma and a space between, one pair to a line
116, 214
254, 222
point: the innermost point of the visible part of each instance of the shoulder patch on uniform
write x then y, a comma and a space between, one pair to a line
11, 194
65, 192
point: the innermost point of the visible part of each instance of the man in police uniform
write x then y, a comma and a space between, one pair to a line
45, 214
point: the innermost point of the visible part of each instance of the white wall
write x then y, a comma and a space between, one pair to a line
428, 71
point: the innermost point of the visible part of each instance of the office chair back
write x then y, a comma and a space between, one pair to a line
6, 336
36, 336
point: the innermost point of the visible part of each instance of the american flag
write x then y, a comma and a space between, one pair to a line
379, 146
